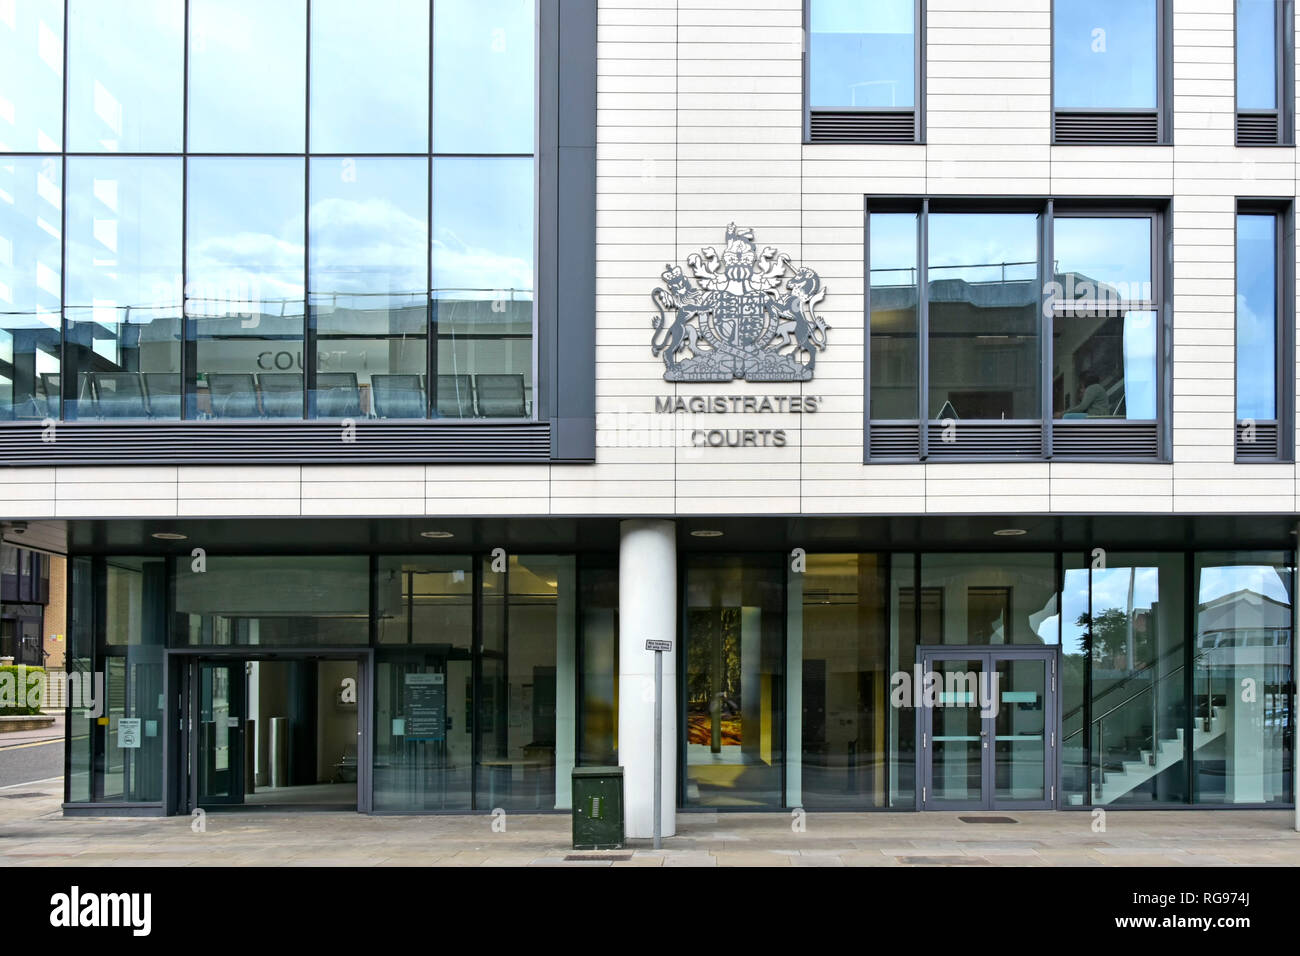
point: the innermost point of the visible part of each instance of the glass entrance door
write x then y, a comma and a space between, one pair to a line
222, 709
988, 729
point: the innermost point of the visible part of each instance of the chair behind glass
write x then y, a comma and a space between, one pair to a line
281, 394
233, 395
118, 394
501, 396
455, 396
397, 396
337, 395
163, 391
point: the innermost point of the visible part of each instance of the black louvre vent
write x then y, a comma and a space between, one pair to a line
78, 443
1257, 441
1107, 129
895, 441
1097, 441
862, 127
960, 441
1257, 129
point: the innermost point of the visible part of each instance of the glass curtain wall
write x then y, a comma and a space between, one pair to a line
1241, 690
838, 683
424, 684
359, 244
527, 709
733, 689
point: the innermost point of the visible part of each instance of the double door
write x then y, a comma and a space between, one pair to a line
988, 728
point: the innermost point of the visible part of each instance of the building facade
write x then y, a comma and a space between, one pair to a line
389, 374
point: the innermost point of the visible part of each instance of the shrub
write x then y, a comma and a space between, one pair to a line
20, 683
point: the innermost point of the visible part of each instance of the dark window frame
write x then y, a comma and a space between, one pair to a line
867, 125
1158, 209
1105, 126
1281, 117
1245, 431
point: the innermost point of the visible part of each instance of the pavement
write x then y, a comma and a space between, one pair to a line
33, 832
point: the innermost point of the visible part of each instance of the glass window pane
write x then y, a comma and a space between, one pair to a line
315, 600
598, 601
1138, 696
989, 599
1257, 54
1103, 258
528, 697
123, 287
1257, 317
368, 286
126, 75
1105, 54
31, 76
425, 600
31, 203
895, 368
370, 76
984, 316
425, 671
1105, 366
483, 287
735, 630
1241, 707
902, 659
1074, 677
248, 76
862, 55
842, 694
244, 291
82, 694
483, 76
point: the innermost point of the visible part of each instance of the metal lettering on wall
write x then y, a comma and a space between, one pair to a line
744, 320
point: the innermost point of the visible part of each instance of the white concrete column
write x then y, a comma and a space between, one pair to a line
647, 610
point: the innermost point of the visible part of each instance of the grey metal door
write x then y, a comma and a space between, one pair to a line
988, 728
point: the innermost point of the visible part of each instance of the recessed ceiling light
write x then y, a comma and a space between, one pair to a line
169, 536
1010, 532
436, 534
706, 534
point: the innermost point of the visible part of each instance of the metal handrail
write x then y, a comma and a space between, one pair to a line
1131, 677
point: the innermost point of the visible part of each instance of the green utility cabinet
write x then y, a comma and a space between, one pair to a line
598, 808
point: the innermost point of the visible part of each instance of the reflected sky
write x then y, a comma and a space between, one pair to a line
1108, 249
247, 76
31, 75
245, 229
1272, 582
482, 225
1256, 318
483, 87
124, 238
972, 246
126, 67
367, 234
1105, 54
30, 223
893, 248
861, 55
1256, 54
370, 76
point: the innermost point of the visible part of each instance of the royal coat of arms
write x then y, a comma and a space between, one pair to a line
747, 315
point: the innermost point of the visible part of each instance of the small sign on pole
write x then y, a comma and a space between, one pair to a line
660, 648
